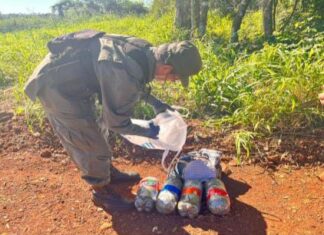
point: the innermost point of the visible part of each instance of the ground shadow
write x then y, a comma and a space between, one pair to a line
243, 219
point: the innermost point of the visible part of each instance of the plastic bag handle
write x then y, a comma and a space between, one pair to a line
175, 158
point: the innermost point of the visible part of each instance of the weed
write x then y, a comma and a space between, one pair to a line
243, 141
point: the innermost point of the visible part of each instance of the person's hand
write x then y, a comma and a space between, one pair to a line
153, 131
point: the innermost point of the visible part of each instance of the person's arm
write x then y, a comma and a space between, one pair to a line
158, 106
119, 96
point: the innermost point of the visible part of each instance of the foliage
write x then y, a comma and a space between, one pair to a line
228, 7
13, 23
161, 7
143, 111
91, 7
255, 87
20, 52
272, 89
4, 81
243, 142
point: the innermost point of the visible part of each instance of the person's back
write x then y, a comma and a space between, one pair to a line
71, 63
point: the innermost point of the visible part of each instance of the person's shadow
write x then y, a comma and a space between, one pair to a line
243, 219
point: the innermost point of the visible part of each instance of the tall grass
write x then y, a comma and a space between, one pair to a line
20, 52
259, 90
272, 89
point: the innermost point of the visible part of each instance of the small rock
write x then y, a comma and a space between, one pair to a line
174, 229
46, 154
99, 209
105, 226
36, 134
43, 179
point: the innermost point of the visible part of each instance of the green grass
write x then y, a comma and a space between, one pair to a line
20, 52
243, 142
257, 87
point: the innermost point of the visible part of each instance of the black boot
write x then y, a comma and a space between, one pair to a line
109, 200
119, 177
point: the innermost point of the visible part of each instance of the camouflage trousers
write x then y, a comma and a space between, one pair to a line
74, 123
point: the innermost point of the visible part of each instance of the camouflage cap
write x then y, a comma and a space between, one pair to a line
184, 58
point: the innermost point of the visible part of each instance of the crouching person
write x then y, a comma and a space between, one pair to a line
118, 70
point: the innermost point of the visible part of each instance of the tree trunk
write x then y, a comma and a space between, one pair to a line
203, 17
182, 18
60, 11
267, 18
195, 15
238, 18
291, 15
275, 4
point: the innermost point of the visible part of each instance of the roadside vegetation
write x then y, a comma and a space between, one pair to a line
256, 87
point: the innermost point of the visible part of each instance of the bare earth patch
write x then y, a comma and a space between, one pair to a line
41, 191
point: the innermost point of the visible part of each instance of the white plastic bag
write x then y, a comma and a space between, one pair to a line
172, 135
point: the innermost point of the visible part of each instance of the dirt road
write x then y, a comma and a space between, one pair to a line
45, 195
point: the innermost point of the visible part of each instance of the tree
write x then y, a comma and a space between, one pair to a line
192, 15
290, 16
267, 18
203, 17
195, 15
182, 17
238, 18
199, 12
120, 7
61, 7
92, 7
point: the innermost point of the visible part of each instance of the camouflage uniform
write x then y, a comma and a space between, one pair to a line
66, 82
